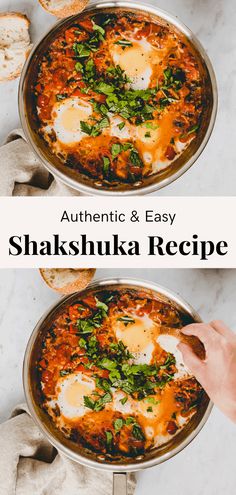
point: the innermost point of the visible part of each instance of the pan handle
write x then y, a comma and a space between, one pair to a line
119, 484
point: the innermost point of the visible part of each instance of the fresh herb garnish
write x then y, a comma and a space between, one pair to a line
96, 129
65, 372
151, 400
126, 319
121, 125
81, 50
61, 97
109, 439
106, 165
97, 405
85, 326
99, 29
116, 150
152, 126
123, 401
137, 432
102, 306
79, 67
118, 423
135, 158
193, 129
82, 343
124, 43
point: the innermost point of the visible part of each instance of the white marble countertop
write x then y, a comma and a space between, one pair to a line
213, 21
205, 467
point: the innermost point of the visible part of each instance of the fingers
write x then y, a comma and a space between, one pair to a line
204, 332
190, 359
220, 327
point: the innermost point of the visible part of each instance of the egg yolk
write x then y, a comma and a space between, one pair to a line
72, 116
136, 61
75, 392
138, 335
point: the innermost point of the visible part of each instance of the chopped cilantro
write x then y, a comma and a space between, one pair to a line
83, 343
108, 364
79, 67
99, 29
150, 125
97, 405
151, 400
116, 150
65, 372
106, 165
121, 125
61, 97
193, 129
109, 439
126, 319
96, 129
124, 43
137, 432
135, 158
118, 423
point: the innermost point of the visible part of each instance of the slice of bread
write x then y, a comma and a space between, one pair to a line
63, 8
14, 44
193, 342
67, 280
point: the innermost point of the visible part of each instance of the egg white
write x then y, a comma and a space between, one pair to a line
67, 116
136, 61
70, 392
169, 344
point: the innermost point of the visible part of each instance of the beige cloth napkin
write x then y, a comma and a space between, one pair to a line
29, 465
22, 174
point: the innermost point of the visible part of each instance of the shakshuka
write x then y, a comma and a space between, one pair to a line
110, 375
119, 96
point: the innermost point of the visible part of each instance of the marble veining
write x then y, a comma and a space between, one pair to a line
213, 21
205, 467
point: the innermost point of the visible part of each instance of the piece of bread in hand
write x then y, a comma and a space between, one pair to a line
192, 341
63, 8
67, 280
14, 44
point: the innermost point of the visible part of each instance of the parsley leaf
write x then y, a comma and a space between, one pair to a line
137, 432
126, 320
96, 129
118, 423
109, 439
99, 29
123, 43
106, 165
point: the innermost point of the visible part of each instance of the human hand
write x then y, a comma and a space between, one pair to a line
217, 372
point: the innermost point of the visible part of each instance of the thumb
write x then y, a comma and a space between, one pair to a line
194, 364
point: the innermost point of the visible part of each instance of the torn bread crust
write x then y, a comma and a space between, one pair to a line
191, 341
63, 8
67, 280
14, 44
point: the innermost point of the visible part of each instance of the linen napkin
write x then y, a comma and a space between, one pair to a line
30, 465
22, 174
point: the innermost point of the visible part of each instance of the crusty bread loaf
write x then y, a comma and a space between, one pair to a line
63, 8
67, 280
14, 44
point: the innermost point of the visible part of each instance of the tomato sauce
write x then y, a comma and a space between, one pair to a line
143, 88
106, 382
